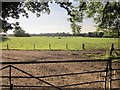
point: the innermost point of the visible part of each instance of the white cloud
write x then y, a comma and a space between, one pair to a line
88, 28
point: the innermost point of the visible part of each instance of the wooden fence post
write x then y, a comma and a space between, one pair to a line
34, 46
83, 46
67, 46
108, 78
49, 46
111, 50
7, 46
109, 70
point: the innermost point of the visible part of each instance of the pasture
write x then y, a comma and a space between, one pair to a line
56, 43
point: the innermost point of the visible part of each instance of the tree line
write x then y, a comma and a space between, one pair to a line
21, 33
104, 34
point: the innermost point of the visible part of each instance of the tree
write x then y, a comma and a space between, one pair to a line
75, 28
100, 34
14, 9
20, 33
105, 14
110, 34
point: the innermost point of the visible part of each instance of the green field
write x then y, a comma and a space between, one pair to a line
54, 43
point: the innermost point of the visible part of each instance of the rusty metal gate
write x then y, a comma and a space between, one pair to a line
109, 73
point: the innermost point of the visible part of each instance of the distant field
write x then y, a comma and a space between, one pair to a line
54, 43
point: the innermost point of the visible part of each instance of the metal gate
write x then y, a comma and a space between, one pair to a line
107, 81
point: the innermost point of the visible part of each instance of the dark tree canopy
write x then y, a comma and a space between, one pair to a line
20, 33
105, 14
14, 9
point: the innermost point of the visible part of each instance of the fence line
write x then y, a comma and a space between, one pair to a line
49, 46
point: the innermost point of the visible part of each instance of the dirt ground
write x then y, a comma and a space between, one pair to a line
70, 82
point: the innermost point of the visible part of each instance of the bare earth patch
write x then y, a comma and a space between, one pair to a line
56, 69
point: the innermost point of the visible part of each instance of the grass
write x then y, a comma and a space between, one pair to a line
42, 43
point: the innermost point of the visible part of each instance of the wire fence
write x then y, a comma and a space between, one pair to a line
84, 46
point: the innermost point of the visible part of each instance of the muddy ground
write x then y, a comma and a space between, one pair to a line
50, 72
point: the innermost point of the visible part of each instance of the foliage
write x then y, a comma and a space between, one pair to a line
110, 34
75, 29
105, 14
21, 33
14, 9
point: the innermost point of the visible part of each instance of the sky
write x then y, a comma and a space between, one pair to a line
53, 23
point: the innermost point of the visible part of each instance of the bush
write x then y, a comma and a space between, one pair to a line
21, 33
